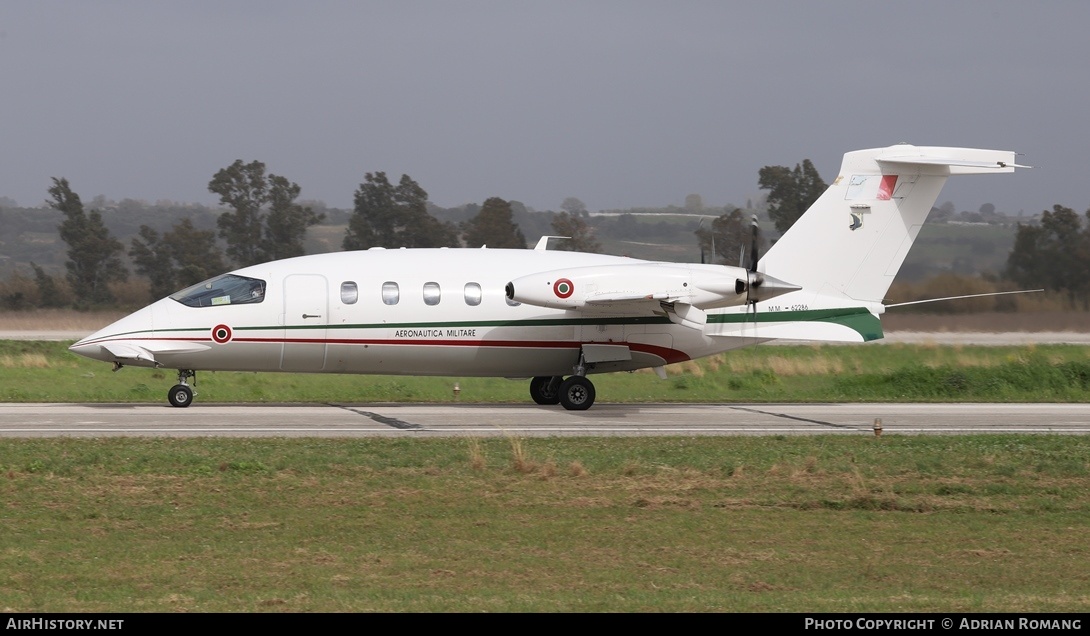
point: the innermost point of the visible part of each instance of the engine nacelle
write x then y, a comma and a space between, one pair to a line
702, 286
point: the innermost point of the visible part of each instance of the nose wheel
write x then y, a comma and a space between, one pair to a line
181, 395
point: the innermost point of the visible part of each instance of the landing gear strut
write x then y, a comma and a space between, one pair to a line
181, 395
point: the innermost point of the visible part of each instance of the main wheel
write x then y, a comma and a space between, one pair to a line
180, 396
576, 393
544, 389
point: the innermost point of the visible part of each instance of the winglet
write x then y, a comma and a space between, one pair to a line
543, 242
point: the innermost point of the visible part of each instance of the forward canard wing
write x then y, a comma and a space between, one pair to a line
142, 353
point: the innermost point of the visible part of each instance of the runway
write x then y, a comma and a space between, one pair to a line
467, 420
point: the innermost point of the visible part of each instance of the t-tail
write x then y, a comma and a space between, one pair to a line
845, 251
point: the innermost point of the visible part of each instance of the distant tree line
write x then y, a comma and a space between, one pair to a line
262, 219
1054, 254
728, 239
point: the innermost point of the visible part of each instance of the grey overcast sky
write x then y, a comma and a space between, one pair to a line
621, 103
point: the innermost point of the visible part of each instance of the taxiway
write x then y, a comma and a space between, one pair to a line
468, 420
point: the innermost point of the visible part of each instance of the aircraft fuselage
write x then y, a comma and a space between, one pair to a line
399, 312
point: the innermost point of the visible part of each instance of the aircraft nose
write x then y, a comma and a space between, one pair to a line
95, 346
86, 348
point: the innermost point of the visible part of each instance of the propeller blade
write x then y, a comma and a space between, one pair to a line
753, 255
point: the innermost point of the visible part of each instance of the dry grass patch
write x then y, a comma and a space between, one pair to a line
692, 367
989, 322
57, 320
477, 459
522, 463
967, 360
24, 361
786, 365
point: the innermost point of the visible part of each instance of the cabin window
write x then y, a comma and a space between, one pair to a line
431, 293
390, 293
228, 289
350, 293
473, 294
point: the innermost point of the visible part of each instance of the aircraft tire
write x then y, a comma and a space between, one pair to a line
180, 396
541, 391
576, 393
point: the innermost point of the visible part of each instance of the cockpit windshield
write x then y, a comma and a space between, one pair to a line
228, 289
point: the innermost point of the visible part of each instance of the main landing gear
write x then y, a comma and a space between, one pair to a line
575, 394
181, 395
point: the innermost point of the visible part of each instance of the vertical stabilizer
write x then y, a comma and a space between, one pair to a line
854, 238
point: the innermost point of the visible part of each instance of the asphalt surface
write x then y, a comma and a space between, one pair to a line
467, 420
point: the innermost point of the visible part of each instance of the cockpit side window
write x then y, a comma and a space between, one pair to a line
228, 289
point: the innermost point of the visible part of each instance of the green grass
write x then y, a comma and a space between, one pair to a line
733, 524
48, 372
992, 523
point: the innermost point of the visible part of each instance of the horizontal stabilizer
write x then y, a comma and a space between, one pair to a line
924, 161
958, 160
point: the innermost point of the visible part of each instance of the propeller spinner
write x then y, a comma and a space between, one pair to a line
759, 286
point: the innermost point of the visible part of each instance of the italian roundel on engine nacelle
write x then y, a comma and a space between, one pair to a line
548, 289
580, 286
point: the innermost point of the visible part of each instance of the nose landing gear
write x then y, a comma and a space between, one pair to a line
181, 395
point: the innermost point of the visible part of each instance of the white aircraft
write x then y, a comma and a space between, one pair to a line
545, 314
